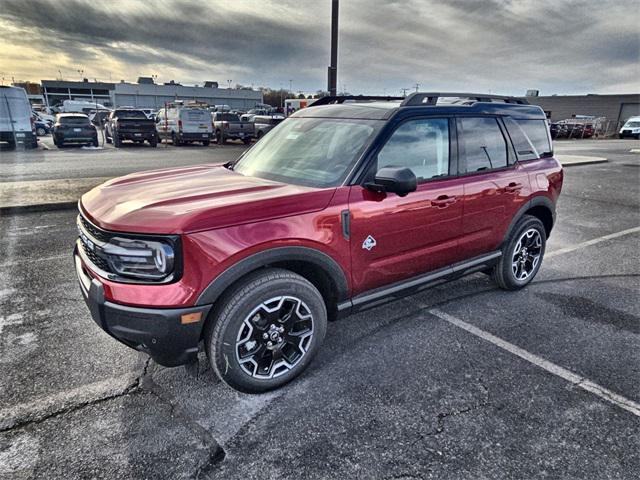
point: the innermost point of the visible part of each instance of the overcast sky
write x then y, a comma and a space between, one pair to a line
556, 46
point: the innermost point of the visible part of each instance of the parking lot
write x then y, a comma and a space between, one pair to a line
461, 381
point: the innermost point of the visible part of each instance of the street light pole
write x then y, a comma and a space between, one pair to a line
333, 68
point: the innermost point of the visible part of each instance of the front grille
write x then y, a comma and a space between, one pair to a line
94, 231
97, 261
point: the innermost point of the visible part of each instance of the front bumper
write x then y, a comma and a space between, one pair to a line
160, 333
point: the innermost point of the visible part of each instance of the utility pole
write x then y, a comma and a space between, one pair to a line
333, 67
404, 91
417, 87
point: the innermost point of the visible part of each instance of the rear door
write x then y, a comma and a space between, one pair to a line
495, 185
195, 120
394, 238
15, 111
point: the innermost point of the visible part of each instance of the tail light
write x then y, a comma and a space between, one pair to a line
33, 124
180, 125
225, 124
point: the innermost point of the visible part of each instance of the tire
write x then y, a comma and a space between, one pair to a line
219, 137
95, 142
107, 139
175, 140
522, 254
206, 143
41, 132
117, 141
231, 331
153, 142
259, 135
246, 141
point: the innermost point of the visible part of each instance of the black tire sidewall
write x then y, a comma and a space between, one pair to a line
222, 340
524, 225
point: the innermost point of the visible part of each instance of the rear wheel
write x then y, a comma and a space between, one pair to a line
266, 330
117, 141
175, 139
40, 131
206, 143
246, 141
219, 137
154, 142
95, 142
522, 254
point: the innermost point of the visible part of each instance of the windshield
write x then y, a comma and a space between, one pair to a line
316, 152
633, 124
130, 114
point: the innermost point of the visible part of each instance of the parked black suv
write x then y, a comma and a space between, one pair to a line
130, 124
74, 128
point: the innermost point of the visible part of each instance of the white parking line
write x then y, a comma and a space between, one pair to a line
550, 367
588, 243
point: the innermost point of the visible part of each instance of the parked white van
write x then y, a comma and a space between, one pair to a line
185, 123
631, 128
16, 123
81, 106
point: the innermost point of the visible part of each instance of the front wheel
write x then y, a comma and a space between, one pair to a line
266, 331
522, 254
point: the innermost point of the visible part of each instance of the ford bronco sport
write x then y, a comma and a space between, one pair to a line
345, 205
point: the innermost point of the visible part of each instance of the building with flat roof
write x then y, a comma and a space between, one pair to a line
56, 91
145, 94
616, 108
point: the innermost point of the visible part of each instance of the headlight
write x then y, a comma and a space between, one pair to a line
139, 258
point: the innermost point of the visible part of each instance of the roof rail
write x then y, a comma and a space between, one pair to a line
431, 98
328, 100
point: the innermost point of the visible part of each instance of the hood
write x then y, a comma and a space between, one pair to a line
203, 197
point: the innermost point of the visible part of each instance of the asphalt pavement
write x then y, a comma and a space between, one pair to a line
461, 381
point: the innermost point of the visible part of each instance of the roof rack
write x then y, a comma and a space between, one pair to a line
328, 100
431, 98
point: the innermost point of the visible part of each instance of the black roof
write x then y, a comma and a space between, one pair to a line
382, 108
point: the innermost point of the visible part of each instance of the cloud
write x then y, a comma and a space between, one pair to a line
487, 45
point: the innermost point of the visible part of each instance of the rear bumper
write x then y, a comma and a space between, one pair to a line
24, 139
195, 137
158, 332
137, 135
75, 139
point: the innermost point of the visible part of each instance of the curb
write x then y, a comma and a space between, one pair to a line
44, 207
584, 162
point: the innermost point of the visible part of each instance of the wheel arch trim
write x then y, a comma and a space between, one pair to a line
538, 201
271, 256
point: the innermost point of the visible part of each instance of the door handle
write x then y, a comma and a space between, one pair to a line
443, 201
513, 187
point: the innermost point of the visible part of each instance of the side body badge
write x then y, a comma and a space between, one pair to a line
369, 243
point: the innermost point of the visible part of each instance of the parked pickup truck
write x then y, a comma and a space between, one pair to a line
130, 124
229, 126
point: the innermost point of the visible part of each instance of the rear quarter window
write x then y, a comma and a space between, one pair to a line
538, 133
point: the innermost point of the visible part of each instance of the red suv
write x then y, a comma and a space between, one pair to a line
345, 205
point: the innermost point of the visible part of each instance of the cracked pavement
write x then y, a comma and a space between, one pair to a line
395, 392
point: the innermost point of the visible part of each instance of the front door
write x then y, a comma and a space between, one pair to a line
394, 238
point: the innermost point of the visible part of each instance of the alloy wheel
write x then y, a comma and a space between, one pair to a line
526, 254
274, 337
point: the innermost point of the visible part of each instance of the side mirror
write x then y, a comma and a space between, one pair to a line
398, 180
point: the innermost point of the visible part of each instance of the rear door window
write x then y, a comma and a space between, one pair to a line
482, 144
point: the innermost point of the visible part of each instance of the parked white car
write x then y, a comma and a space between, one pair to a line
16, 121
185, 123
631, 128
